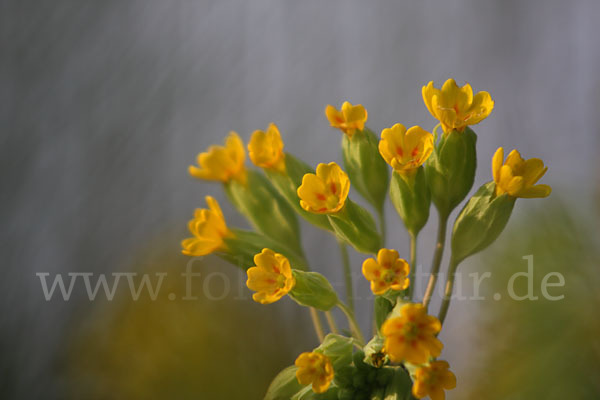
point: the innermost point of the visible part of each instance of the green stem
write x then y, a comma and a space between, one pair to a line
437, 259
317, 324
448, 292
382, 226
331, 322
347, 275
356, 332
413, 266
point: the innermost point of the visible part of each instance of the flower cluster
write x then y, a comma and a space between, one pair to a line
401, 359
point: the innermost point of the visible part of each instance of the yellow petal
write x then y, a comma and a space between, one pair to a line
497, 161
537, 191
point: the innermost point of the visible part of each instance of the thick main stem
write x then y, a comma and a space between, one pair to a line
448, 291
317, 324
437, 259
413, 266
347, 275
356, 332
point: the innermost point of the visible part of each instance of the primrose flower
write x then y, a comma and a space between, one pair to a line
389, 271
315, 368
326, 191
517, 177
456, 107
266, 149
411, 336
222, 163
432, 380
405, 150
209, 229
349, 119
271, 278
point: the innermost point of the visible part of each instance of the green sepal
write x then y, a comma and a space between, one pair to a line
383, 307
450, 169
480, 222
354, 225
266, 210
411, 197
373, 353
284, 386
244, 245
338, 349
366, 168
313, 290
400, 386
287, 184
308, 394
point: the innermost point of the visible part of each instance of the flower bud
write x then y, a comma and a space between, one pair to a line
480, 222
411, 197
267, 211
354, 225
450, 170
366, 168
313, 290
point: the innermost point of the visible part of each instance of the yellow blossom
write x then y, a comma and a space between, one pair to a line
432, 380
315, 368
209, 229
271, 278
389, 271
518, 177
411, 336
349, 119
266, 149
405, 150
222, 163
326, 191
456, 107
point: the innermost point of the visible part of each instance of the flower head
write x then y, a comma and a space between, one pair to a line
209, 229
405, 150
389, 271
315, 368
266, 149
326, 191
411, 336
349, 119
222, 163
518, 177
456, 107
271, 278
432, 380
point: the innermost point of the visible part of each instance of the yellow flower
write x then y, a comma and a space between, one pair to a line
456, 107
432, 380
222, 163
411, 336
271, 278
325, 192
405, 150
209, 230
266, 149
349, 119
517, 177
315, 368
389, 271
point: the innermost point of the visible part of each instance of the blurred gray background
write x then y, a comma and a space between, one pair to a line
104, 104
